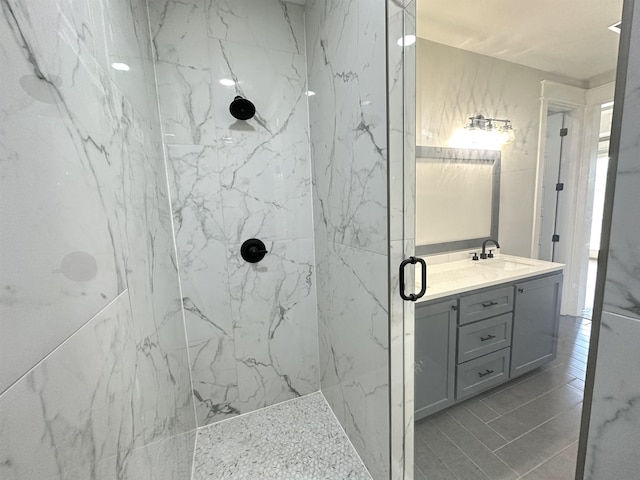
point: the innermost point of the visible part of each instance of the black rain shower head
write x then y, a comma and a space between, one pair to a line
242, 109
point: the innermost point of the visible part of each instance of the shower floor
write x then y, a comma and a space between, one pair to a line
295, 440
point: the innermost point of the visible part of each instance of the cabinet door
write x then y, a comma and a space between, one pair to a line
435, 354
535, 323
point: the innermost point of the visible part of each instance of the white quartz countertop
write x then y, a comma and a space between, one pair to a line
453, 277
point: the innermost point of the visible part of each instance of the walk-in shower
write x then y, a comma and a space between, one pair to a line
195, 237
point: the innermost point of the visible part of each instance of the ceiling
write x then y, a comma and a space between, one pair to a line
566, 37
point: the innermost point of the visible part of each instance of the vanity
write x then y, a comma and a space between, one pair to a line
482, 323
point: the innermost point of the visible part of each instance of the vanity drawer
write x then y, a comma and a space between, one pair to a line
485, 304
486, 336
482, 373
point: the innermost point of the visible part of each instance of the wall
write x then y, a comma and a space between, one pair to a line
346, 58
454, 84
93, 361
252, 328
613, 415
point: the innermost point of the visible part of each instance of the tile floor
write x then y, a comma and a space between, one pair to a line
300, 439
525, 429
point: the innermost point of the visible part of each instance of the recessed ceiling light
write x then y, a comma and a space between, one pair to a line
122, 67
616, 27
227, 82
407, 40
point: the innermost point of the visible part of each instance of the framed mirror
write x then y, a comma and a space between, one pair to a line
457, 198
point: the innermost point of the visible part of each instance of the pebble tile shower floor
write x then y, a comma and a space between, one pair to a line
295, 440
526, 429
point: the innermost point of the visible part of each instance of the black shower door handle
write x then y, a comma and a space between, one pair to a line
412, 297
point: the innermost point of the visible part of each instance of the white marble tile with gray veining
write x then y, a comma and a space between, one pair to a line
353, 335
275, 81
67, 411
186, 104
272, 24
615, 410
144, 463
96, 227
622, 290
239, 180
202, 256
273, 304
266, 185
347, 117
348, 121
56, 149
179, 32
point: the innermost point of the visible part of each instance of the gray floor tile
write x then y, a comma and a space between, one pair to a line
538, 411
578, 356
512, 383
512, 398
477, 427
455, 460
417, 474
456, 444
578, 364
576, 372
473, 448
573, 350
560, 467
577, 384
479, 409
427, 461
541, 444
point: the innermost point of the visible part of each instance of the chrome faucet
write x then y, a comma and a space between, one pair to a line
483, 255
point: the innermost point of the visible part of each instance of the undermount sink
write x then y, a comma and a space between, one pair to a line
506, 265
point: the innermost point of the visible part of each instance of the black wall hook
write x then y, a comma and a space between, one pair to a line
253, 250
242, 109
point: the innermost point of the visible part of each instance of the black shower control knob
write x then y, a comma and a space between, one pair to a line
242, 109
253, 250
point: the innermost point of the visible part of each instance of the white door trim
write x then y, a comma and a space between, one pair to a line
583, 109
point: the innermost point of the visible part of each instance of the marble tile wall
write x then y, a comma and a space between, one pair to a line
615, 409
94, 372
252, 328
346, 65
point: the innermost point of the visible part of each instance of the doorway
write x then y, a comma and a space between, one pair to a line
468, 74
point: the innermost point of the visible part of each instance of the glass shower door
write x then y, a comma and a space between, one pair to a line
404, 291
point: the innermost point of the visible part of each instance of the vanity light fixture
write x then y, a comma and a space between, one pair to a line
499, 129
484, 133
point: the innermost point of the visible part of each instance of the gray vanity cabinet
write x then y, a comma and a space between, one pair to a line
535, 323
435, 357
476, 340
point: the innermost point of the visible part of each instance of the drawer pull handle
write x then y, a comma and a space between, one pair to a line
488, 337
489, 304
485, 373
